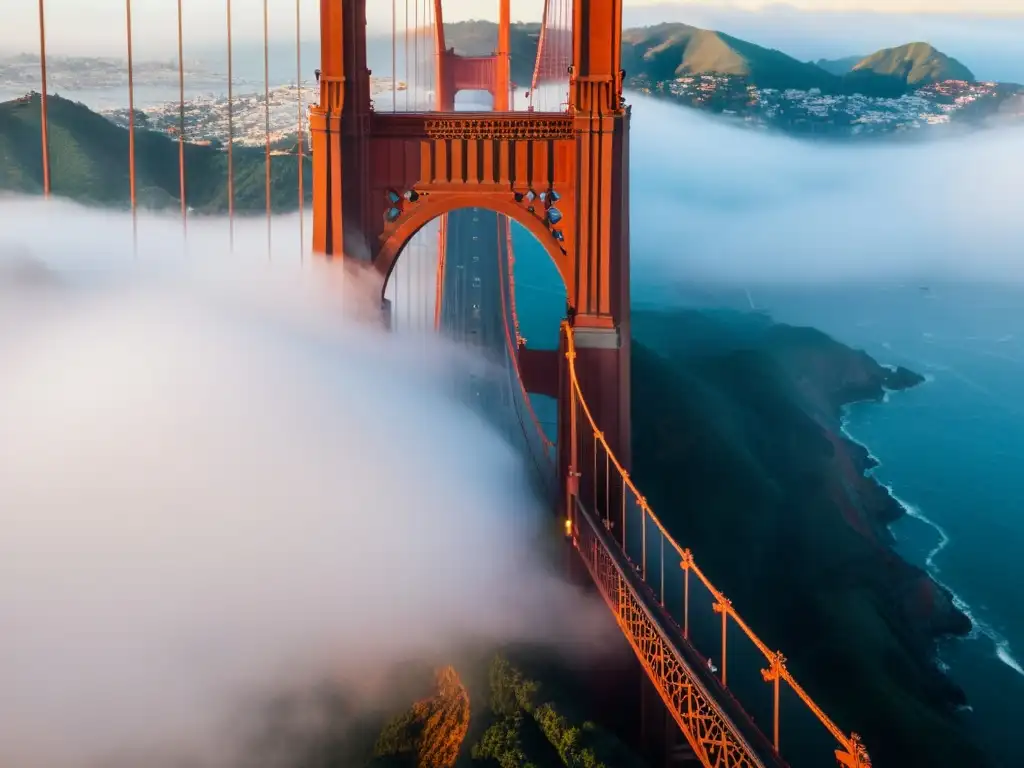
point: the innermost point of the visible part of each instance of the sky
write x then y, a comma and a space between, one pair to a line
98, 26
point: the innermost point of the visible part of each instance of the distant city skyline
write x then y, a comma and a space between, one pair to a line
98, 27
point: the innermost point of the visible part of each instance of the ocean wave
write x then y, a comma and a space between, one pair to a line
980, 629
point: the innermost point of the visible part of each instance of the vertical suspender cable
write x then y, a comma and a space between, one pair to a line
426, 61
131, 128
433, 68
181, 122
541, 40
301, 152
394, 55
416, 50
405, 53
567, 60
409, 253
266, 112
231, 138
566, 52
560, 49
44, 118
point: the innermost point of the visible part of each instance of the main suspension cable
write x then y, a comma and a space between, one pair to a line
44, 117
131, 129
181, 123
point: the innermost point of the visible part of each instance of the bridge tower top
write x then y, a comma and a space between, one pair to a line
595, 84
379, 176
456, 72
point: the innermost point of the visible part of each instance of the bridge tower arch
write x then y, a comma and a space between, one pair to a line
377, 177
441, 205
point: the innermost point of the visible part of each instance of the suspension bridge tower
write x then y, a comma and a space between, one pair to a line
379, 177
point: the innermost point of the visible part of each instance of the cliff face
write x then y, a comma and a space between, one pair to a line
740, 450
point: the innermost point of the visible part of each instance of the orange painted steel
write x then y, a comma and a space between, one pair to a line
181, 120
44, 117
131, 127
535, 80
442, 240
693, 706
554, 50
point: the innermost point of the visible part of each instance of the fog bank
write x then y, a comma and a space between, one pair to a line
215, 483
716, 201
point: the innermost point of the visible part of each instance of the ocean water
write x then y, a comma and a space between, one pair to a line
951, 450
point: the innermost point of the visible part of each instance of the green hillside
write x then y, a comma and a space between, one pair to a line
841, 66
667, 51
89, 163
912, 65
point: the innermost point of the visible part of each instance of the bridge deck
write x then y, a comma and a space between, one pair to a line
679, 671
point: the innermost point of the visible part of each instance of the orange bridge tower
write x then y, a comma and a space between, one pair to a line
379, 177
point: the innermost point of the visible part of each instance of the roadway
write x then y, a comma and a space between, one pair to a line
471, 303
474, 299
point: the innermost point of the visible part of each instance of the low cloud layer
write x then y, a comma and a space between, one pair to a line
715, 201
215, 483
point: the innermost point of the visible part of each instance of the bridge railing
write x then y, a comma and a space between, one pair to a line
721, 661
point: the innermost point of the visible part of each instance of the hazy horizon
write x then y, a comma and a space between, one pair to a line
987, 42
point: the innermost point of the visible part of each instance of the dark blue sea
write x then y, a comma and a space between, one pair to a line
837, 237
951, 450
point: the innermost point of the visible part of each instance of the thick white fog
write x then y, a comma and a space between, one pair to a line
716, 201
216, 484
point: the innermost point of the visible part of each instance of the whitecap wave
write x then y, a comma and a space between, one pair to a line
1003, 652
980, 629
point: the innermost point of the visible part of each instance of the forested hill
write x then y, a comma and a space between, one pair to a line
89, 163
667, 51
912, 65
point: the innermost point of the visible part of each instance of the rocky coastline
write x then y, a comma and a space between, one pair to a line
746, 456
